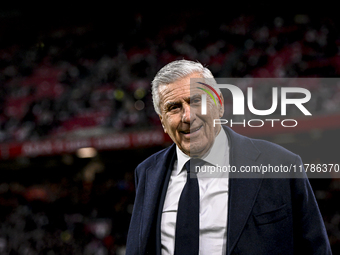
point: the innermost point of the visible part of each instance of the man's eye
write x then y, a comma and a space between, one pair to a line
195, 101
174, 107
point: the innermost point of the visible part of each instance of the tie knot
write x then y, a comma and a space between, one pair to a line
192, 163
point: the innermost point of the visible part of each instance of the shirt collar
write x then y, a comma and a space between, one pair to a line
215, 156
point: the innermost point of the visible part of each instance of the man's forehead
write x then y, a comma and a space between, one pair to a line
176, 93
183, 98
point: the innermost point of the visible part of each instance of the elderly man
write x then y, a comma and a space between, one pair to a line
180, 212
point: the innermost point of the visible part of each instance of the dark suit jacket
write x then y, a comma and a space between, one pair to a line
265, 215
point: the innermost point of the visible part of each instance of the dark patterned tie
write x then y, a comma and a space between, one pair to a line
187, 223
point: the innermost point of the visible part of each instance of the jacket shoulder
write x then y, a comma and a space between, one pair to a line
264, 148
272, 148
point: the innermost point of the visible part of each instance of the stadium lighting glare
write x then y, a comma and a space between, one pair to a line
87, 152
139, 105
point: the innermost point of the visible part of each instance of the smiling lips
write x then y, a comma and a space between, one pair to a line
190, 131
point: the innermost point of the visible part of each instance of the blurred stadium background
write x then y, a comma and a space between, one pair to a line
76, 115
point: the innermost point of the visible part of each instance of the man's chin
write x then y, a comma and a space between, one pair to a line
193, 152
198, 150
195, 148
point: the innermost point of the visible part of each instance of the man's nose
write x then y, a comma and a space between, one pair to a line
187, 116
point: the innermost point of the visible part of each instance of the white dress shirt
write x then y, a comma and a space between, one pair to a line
213, 202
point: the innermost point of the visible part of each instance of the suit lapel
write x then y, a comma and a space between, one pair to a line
161, 202
242, 191
155, 180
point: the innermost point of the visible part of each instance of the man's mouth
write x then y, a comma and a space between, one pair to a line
191, 130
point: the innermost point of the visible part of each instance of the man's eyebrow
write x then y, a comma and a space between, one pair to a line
187, 99
195, 96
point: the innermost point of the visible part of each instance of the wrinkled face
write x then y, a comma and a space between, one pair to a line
181, 116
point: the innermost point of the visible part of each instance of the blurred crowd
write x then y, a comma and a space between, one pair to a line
85, 214
78, 77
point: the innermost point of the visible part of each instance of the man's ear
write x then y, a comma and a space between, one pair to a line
221, 110
161, 119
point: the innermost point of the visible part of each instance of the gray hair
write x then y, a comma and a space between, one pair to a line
174, 71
